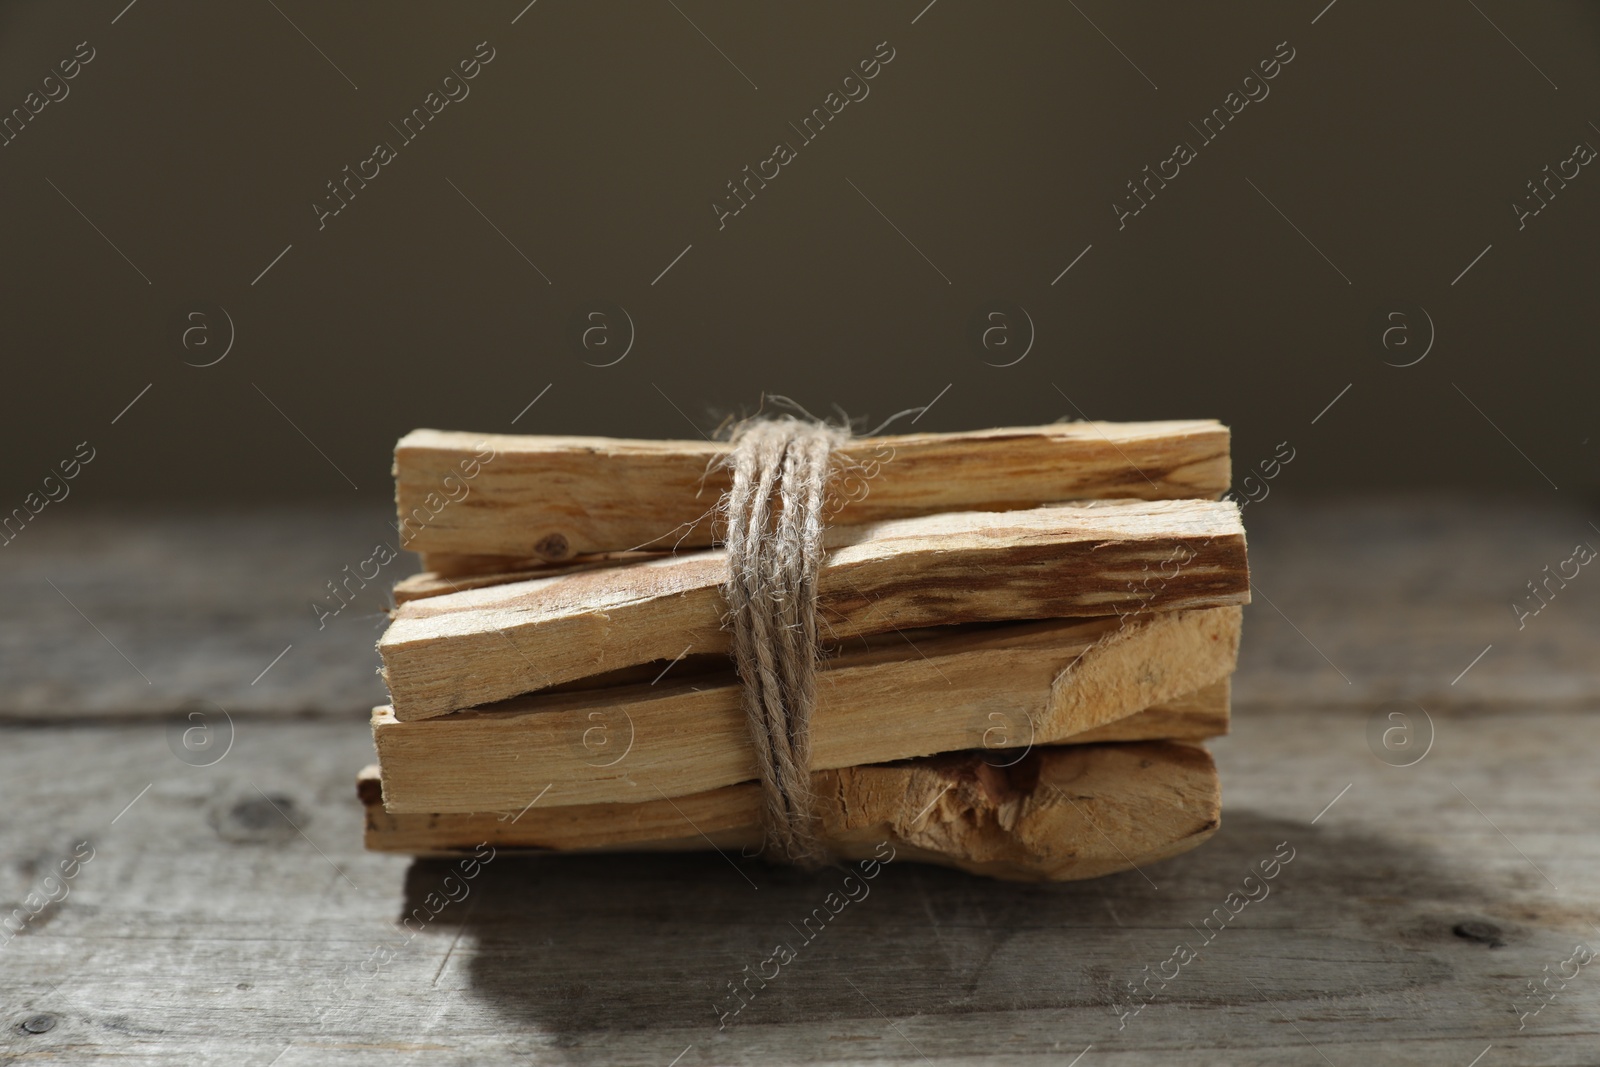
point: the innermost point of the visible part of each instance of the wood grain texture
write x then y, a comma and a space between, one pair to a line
704, 818
1437, 577
1197, 717
1051, 813
445, 653
1039, 682
202, 602
445, 573
722, 817
555, 497
208, 930
125, 613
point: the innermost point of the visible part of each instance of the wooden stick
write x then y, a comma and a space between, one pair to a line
1055, 814
465, 649
1037, 682
446, 573
555, 497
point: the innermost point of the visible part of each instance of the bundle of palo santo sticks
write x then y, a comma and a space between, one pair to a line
1026, 635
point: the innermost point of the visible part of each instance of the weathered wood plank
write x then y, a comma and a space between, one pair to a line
207, 930
1363, 599
136, 614
179, 945
1044, 681
461, 650
555, 497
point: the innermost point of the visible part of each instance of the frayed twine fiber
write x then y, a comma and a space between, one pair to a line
774, 513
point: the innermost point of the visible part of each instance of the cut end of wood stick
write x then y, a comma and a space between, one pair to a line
1052, 814
1119, 672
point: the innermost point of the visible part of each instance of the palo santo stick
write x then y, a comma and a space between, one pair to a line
1196, 717
1056, 814
444, 572
1041, 682
555, 497
464, 649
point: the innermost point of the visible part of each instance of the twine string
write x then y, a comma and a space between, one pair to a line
773, 510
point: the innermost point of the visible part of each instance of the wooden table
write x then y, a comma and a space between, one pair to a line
229, 915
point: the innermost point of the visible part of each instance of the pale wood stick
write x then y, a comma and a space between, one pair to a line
1041, 682
555, 497
448, 572
1197, 716
464, 649
1056, 813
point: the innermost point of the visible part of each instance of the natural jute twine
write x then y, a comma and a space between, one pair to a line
774, 513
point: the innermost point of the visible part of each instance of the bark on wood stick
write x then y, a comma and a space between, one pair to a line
460, 650
1055, 813
555, 497
1041, 681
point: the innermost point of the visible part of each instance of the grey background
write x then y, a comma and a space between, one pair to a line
196, 141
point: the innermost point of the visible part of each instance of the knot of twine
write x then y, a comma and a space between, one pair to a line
774, 512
